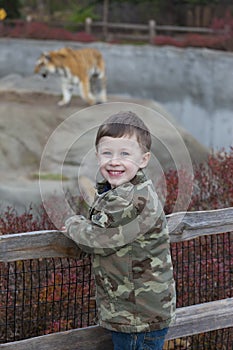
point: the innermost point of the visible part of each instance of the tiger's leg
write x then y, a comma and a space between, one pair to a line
98, 87
86, 93
102, 95
67, 91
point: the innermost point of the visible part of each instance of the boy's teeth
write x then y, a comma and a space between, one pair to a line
115, 171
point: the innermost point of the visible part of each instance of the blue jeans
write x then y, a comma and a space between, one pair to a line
139, 341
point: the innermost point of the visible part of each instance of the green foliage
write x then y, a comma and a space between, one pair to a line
79, 14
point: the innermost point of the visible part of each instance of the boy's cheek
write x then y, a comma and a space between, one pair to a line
98, 157
101, 160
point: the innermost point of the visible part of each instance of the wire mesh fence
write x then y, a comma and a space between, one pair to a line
44, 296
203, 270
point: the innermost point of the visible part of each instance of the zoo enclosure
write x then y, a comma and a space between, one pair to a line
213, 227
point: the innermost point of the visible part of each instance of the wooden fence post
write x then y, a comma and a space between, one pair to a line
88, 23
152, 32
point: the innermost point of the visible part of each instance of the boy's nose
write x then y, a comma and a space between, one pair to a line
114, 161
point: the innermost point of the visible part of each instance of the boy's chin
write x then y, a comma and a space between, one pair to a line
115, 183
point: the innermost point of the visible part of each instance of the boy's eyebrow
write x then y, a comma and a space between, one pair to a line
120, 148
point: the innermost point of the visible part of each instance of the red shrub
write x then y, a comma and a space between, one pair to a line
73, 289
12, 222
168, 40
38, 30
178, 190
212, 184
225, 23
46, 217
194, 40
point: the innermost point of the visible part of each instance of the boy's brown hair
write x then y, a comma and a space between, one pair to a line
125, 123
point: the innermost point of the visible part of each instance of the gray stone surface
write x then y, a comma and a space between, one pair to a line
194, 85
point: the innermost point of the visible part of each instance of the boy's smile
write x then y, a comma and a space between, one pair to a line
120, 158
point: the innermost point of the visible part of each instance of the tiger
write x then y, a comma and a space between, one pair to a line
83, 67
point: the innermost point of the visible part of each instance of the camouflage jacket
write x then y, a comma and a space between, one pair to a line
128, 238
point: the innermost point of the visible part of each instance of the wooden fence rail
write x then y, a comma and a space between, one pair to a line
45, 244
190, 320
149, 30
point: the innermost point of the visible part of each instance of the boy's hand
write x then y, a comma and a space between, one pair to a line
69, 221
64, 231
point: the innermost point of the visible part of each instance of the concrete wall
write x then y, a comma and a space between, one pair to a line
194, 85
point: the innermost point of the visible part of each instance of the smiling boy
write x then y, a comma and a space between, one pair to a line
128, 238
120, 159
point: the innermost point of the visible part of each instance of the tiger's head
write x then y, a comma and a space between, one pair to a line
45, 65
52, 62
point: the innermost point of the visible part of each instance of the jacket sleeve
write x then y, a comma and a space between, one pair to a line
117, 224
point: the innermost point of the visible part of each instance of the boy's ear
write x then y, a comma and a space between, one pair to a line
145, 159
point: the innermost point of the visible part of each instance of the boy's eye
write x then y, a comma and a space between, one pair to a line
124, 154
106, 153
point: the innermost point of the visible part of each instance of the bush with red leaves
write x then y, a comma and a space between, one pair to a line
212, 184
43, 31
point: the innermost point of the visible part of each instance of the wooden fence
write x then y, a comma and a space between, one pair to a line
190, 320
144, 32
107, 31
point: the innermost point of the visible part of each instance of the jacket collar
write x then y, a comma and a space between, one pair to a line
105, 186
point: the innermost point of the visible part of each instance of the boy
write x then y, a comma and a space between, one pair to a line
128, 238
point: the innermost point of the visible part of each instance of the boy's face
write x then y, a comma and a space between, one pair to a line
120, 158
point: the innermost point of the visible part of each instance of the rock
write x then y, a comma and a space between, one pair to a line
30, 119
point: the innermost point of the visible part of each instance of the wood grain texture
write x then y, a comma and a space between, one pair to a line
190, 320
44, 244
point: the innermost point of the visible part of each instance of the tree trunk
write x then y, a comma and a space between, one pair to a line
105, 18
